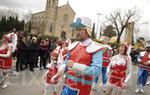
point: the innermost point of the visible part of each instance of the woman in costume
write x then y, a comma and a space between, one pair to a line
5, 60
118, 67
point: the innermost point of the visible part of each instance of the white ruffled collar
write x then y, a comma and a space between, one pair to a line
86, 42
119, 60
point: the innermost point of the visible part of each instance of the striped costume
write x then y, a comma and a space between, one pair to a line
87, 58
144, 68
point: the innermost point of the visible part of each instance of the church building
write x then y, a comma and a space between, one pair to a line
54, 21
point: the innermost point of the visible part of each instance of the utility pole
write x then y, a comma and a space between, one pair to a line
97, 29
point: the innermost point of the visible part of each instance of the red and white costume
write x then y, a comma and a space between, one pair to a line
52, 70
5, 60
144, 61
106, 55
13, 37
118, 68
5, 57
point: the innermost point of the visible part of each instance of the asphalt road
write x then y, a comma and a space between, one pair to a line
31, 83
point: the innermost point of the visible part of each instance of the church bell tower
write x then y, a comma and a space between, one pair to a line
51, 14
51, 4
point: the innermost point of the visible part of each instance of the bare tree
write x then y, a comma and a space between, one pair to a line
120, 20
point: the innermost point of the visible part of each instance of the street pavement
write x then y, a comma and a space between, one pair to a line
32, 83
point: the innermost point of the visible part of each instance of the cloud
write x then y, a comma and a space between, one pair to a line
11, 3
33, 5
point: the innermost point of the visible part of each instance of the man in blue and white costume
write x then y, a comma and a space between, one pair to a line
84, 60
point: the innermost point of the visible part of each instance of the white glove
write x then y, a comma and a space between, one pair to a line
49, 65
148, 62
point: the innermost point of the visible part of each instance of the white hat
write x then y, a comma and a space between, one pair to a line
83, 22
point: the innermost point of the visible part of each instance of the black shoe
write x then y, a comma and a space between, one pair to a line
36, 66
17, 70
45, 68
21, 69
32, 70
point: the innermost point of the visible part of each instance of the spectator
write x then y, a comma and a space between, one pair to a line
33, 54
21, 55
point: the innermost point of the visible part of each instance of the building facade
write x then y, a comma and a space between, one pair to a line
54, 21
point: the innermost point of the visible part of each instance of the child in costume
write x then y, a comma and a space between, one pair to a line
52, 70
144, 69
106, 60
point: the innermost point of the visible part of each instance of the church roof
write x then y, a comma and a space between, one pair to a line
67, 5
38, 12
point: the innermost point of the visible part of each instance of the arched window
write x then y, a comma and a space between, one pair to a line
51, 27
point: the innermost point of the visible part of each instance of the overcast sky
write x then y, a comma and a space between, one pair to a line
82, 7
88, 8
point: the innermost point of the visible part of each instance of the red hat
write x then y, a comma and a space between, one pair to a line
6, 38
55, 52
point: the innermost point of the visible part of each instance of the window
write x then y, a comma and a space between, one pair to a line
65, 17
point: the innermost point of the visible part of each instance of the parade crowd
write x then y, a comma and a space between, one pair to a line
82, 62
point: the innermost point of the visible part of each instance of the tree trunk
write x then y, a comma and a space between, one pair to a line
118, 39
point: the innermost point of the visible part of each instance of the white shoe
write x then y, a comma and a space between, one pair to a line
141, 90
64, 76
137, 90
94, 86
148, 83
4, 86
7, 83
104, 88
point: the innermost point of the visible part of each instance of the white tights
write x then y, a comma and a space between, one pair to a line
47, 86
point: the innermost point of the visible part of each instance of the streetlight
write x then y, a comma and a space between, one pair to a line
98, 14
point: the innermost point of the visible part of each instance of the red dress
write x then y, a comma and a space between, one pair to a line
118, 72
51, 72
5, 63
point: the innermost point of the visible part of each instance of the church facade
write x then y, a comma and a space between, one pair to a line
54, 21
